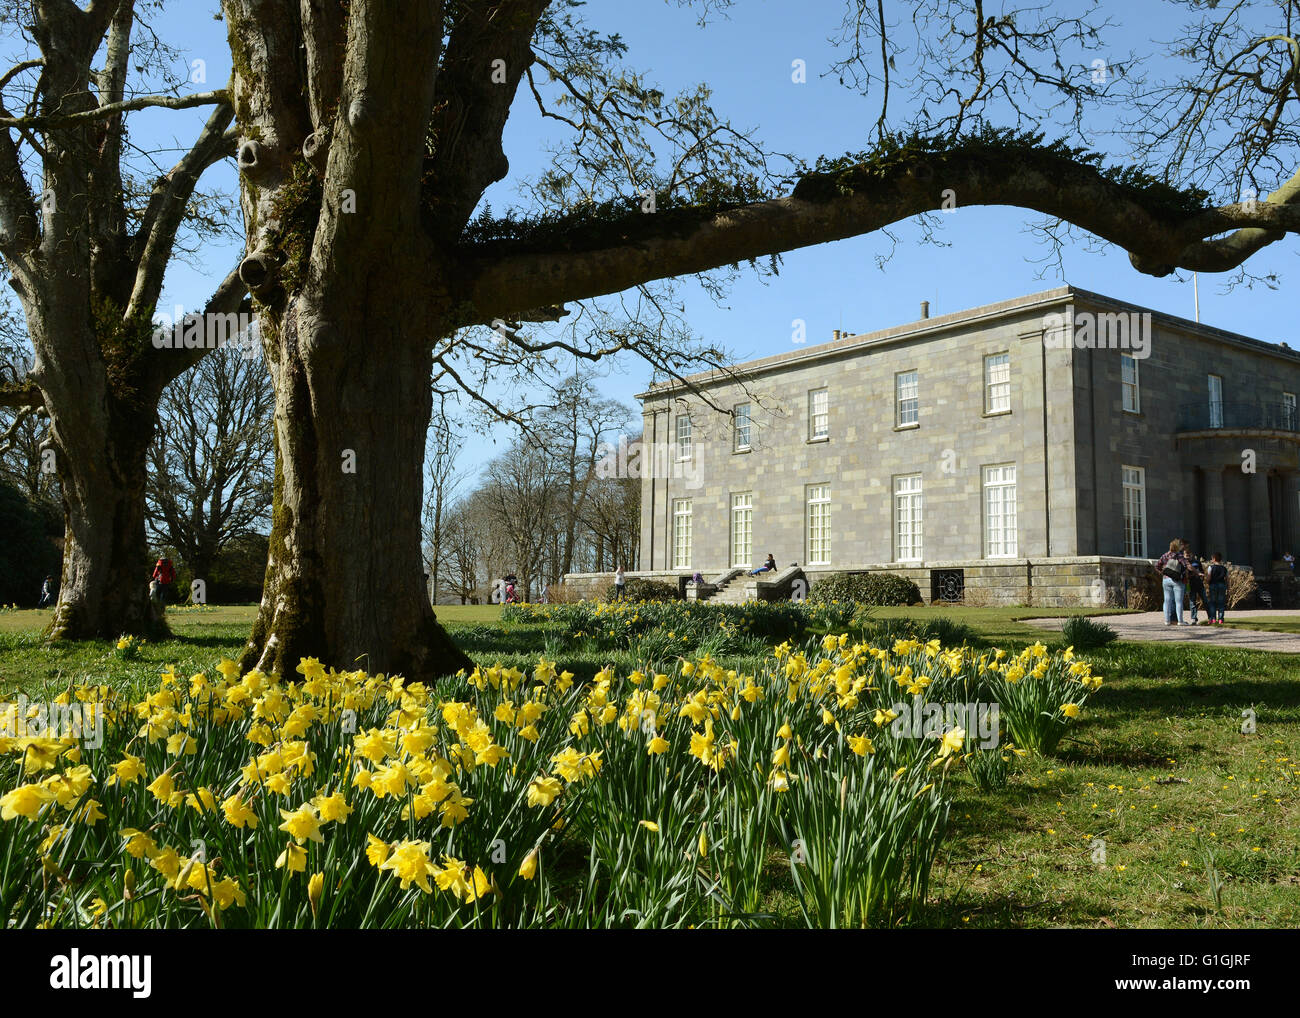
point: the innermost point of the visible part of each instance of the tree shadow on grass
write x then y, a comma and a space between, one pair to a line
481, 641
1001, 911
208, 642
1177, 697
1113, 752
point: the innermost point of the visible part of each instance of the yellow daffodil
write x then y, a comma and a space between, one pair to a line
294, 858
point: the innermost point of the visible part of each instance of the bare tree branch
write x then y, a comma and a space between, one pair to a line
168, 205
184, 102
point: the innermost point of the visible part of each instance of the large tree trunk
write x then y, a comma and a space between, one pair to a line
343, 579
101, 424
104, 592
351, 296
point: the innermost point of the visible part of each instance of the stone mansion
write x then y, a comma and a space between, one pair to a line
1043, 449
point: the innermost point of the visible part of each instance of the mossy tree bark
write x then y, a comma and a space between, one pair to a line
343, 579
104, 588
350, 295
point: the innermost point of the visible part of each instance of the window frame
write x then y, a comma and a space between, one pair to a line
1013, 514
917, 534
685, 443
731, 528
915, 398
1216, 415
1141, 489
735, 427
1135, 385
689, 517
989, 407
817, 541
813, 435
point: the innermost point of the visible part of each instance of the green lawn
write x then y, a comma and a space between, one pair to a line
200, 639
1280, 624
1199, 822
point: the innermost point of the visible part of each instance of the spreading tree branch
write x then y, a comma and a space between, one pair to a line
1161, 227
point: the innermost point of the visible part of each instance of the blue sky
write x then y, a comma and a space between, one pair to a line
988, 254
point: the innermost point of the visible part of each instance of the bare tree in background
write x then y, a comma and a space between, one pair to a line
612, 518
441, 454
571, 434
463, 544
523, 501
212, 458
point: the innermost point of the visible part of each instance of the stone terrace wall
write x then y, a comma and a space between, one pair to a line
592, 586
1079, 581
1083, 581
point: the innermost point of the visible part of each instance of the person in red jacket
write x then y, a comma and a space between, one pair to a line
165, 573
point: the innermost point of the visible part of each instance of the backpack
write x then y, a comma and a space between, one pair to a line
1175, 569
1218, 573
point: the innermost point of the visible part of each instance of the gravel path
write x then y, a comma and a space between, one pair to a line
1151, 626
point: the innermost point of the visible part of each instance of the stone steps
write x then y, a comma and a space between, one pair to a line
736, 591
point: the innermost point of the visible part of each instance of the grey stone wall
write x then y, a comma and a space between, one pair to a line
1106, 437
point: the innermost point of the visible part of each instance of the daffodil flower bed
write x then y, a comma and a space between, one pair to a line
505, 798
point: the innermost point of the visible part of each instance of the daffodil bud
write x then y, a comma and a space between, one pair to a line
315, 884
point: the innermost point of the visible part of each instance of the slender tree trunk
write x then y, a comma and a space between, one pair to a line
201, 567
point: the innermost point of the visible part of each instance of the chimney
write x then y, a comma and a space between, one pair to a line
925, 309
836, 334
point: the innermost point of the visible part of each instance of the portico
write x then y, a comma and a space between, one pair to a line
1246, 496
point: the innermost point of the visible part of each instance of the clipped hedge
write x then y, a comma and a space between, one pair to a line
622, 624
878, 589
637, 589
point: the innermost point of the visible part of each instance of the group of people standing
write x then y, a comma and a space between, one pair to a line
1186, 579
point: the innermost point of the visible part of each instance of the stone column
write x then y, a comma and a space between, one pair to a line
1216, 531
1291, 512
1261, 536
